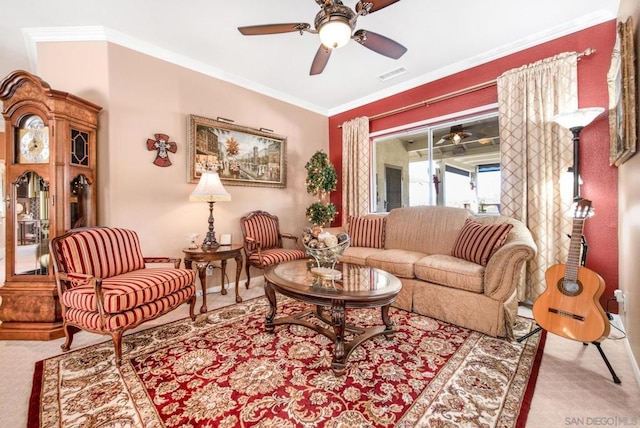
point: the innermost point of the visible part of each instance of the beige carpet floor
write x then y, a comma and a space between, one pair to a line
574, 387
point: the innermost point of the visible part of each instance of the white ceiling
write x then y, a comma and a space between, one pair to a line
442, 37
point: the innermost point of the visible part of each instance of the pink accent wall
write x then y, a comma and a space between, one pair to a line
142, 95
600, 179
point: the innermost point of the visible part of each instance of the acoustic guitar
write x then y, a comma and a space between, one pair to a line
570, 306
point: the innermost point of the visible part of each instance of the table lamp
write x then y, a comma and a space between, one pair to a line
210, 189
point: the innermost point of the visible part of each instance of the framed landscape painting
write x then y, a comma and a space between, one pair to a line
622, 96
242, 156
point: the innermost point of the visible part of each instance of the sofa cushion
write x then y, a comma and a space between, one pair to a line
273, 256
451, 272
114, 322
359, 255
476, 242
396, 262
425, 229
130, 290
366, 232
101, 252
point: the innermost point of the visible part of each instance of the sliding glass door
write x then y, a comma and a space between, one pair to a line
451, 163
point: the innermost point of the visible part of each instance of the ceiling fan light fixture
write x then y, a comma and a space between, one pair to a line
335, 33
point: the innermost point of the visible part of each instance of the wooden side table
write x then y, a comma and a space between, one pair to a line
203, 259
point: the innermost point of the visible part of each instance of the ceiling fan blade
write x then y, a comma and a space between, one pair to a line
320, 60
258, 30
376, 5
380, 44
487, 140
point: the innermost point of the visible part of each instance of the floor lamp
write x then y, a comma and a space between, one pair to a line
575, 121
211, 190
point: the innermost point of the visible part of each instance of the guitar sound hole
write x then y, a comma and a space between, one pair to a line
570, 288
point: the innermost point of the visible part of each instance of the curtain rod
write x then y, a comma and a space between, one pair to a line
453, 94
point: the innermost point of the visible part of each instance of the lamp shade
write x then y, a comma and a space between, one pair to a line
209, 189
577, 118
335, 33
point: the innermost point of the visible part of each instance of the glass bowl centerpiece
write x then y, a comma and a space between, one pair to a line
325, 248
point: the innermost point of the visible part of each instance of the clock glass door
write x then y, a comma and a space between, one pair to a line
32, 225
80, 201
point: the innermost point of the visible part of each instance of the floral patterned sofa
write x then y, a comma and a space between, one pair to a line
453, 266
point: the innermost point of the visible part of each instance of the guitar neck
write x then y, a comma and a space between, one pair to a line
573, 260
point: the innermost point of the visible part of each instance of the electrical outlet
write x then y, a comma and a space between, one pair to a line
619, 295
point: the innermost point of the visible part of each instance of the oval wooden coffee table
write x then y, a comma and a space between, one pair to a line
359, 287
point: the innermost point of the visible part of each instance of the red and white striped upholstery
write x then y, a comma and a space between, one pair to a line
476, 242
93, 321
263, 244
102, 252
129, 290
275, 255
105, 287
264, 229
366, 232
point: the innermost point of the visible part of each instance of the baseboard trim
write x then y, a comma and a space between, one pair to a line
617, 321
634, 362
255, 282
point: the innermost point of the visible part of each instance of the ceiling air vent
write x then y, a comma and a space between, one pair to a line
392, 74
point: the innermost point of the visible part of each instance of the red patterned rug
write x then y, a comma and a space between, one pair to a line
224, 370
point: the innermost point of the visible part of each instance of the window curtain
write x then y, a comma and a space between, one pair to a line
355, 167
534, 153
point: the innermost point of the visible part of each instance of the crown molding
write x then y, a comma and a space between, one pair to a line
505, 50
33, 36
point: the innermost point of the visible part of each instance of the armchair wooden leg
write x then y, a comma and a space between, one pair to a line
117, 345
192, 305
248, 269
68, 334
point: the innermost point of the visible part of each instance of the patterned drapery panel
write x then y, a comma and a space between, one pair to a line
534, 153
355, 167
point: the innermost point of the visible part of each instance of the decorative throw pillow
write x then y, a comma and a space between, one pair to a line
367, 232
476, 241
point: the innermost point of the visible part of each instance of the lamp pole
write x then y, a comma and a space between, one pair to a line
576, 162
210, 241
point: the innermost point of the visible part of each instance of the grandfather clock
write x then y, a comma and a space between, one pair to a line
50, 187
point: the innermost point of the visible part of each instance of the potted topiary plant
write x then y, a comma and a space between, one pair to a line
321, 180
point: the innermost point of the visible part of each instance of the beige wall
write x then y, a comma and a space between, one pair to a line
629, 213
142, 96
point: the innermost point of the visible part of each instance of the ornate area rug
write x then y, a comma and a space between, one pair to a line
224, 370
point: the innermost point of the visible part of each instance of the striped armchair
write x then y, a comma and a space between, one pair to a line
263, 245
105, 287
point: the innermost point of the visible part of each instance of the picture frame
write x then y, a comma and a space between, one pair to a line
621, 80
242, 156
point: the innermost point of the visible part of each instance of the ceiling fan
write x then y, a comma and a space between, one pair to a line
455, 135
335, 24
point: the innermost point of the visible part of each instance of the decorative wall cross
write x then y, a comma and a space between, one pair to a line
163, 146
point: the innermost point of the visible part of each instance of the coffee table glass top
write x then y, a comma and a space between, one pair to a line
356, 281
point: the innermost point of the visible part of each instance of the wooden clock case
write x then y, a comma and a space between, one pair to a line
44, 197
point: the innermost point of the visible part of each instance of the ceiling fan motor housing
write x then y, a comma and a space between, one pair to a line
335, 12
